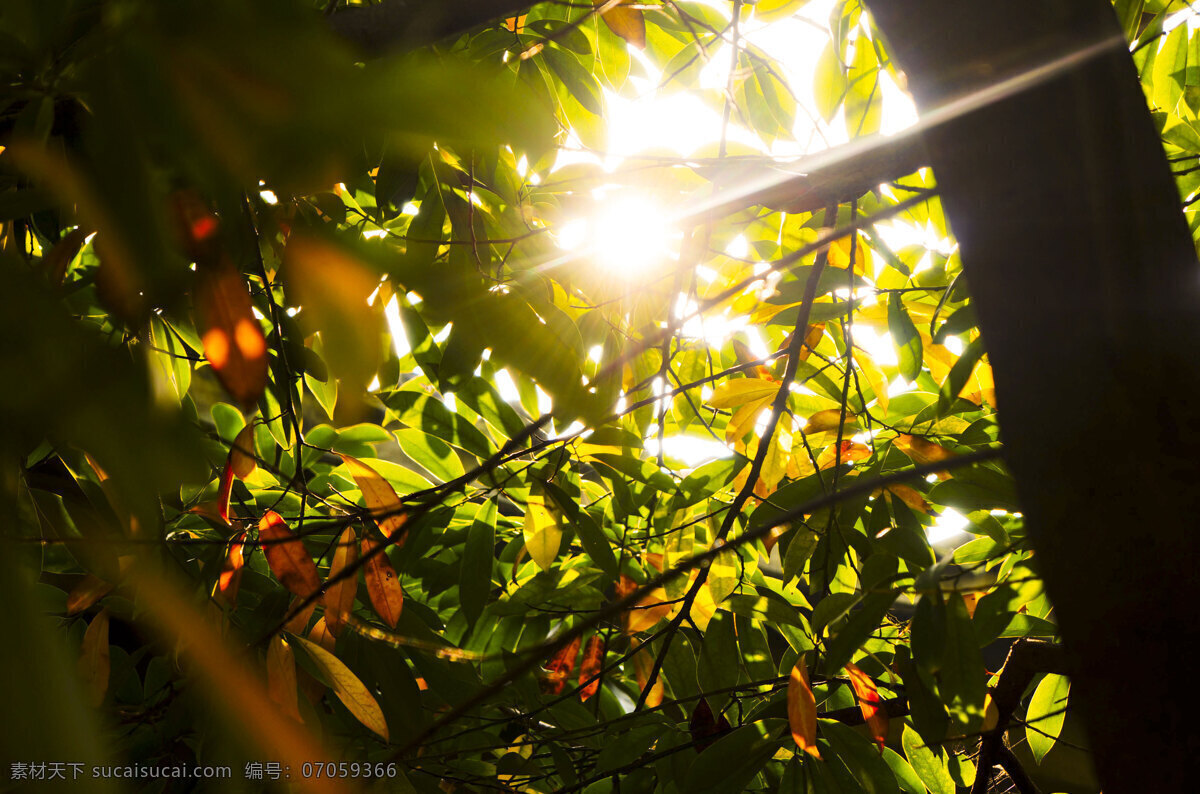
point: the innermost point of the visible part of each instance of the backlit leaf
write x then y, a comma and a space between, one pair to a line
383, 586
643, 665
339, 597
226, 588
869, 703
802, 709
905, 338
628, 23
1046, 713
560, 666
739, 391
356, 697
593, 661
542, 533
379, 496
285, 553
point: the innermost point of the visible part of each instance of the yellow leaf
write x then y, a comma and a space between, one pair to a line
743, 418
281, 677
723, 575
874, 377
643, 665
739, 391
379, 496
648, 611
319, 634
776, 462
703, 608
339, 598
839, 255
94, 664
225, 589
827, 420
356, 697
921, 450
542, 533
802, 709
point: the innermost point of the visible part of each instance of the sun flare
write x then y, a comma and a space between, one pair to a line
627, 237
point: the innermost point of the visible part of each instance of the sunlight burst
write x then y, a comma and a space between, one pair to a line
627, 237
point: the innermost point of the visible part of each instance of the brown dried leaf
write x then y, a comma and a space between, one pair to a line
383, 586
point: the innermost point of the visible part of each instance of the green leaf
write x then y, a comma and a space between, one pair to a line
431, 454
928, 761
864, 97
475, 578
829, 83
732, 762
958, 376
905, 338
1046, 713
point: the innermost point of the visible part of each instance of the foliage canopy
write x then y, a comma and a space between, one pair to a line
311, 421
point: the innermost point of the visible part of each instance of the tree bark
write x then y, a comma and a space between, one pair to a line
1087, 288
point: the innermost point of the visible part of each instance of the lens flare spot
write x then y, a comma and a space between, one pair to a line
216, 348
249, 339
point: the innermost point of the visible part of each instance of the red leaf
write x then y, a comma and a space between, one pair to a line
225, 491
593, 660
802, 710
559, 667
231, 572
704, 727
287, 556
869, 703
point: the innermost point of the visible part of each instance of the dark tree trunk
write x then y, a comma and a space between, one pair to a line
1088, 292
